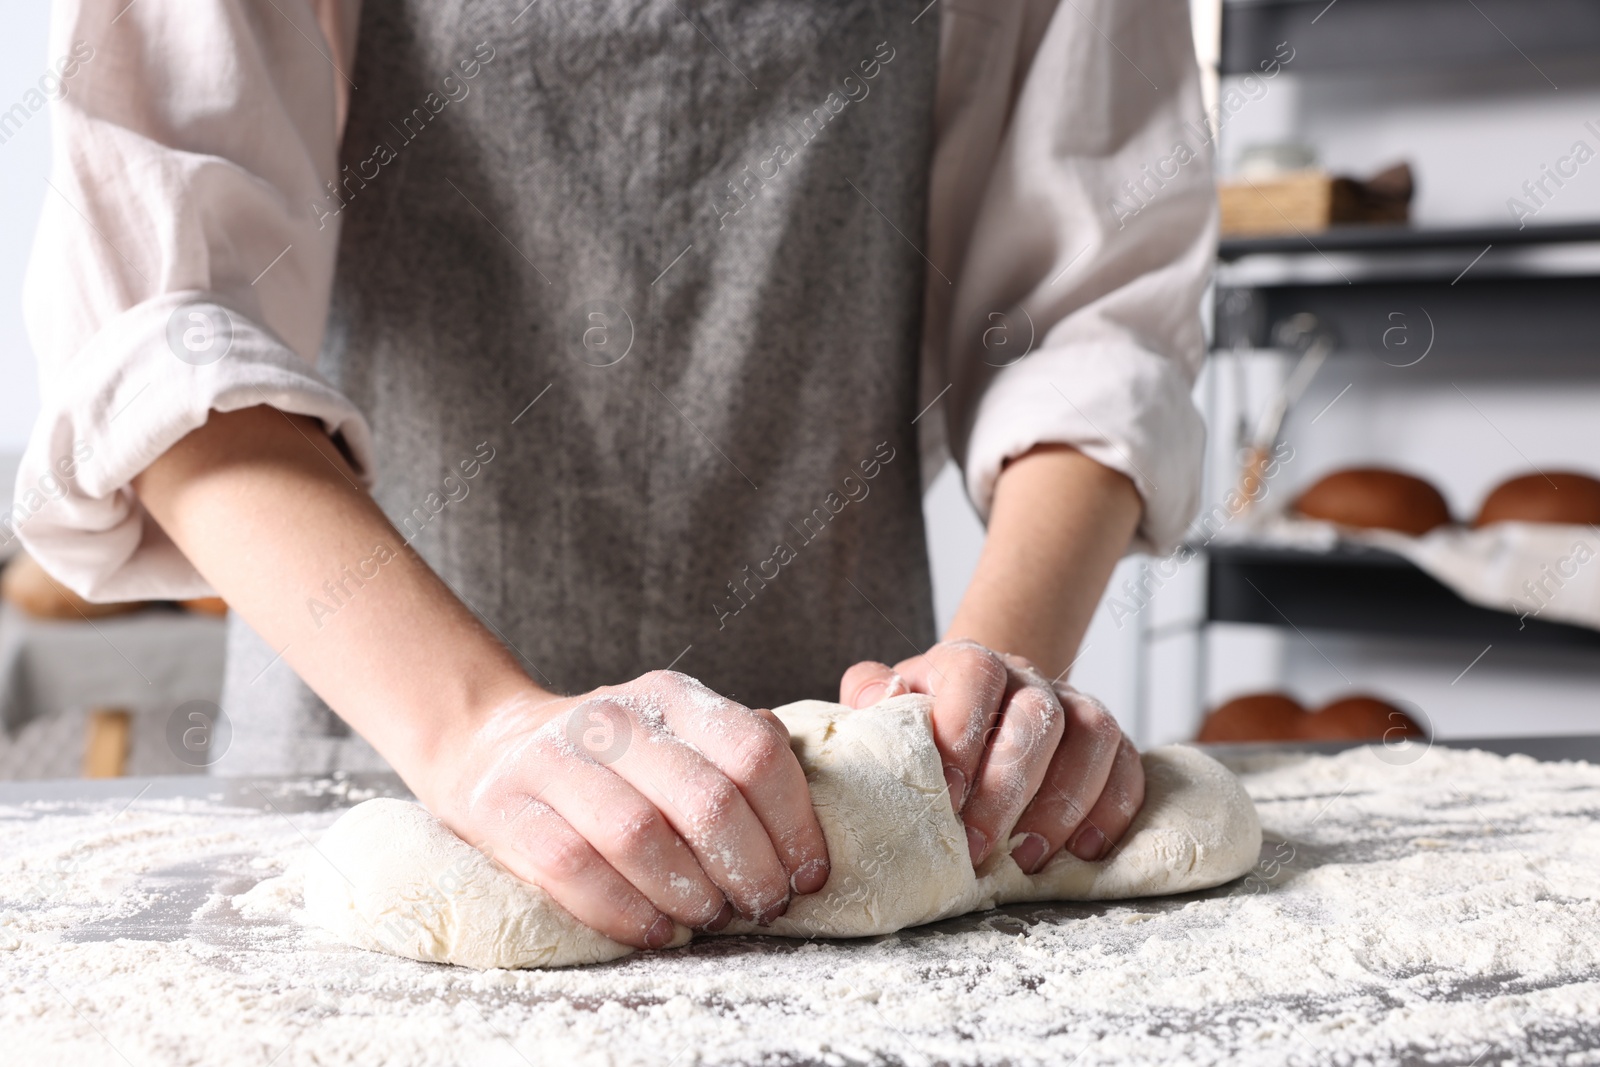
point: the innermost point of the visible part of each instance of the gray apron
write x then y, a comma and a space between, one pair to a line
634, 311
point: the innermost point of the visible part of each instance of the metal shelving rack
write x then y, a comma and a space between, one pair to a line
1354, 278
1477, 289
1390, 34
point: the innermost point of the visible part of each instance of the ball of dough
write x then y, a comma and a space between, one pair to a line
1375, 498
1555, 496
1254, 717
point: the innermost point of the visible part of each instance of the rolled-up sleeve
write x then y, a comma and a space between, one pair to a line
1074, 202
183, 262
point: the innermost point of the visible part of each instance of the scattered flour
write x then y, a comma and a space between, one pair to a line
1445, 911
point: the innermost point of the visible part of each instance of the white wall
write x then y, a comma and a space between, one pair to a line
24, 163
1472, 136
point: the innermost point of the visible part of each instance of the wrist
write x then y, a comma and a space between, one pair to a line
1058, 524
450, 743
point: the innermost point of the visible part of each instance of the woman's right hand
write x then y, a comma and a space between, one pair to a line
637, 805
632, 805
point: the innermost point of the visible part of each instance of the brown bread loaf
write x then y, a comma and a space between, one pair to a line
1551, 496
1375, 498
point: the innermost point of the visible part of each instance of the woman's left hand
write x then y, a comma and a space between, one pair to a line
1042, 760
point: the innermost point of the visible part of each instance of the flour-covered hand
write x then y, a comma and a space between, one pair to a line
1023, 756
639, 805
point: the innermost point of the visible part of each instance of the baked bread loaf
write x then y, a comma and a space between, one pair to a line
206, 605
1552, 496
25, 584
1375, 498
1280, 717
1254, 717
1360, 718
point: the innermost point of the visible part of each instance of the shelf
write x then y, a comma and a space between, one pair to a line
1375, 238
1361, 255
1400, 35
1472, 290
1355, 589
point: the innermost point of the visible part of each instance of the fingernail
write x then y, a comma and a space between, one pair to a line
773, 913
811, 877
868, 695
956, 782
977, 844
1029, 855
724, 917
660, 933
1088, 844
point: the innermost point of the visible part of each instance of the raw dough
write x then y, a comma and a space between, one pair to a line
389, 876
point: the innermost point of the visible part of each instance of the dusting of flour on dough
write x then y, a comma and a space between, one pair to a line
405, 884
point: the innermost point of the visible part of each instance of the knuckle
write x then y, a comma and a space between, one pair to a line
1089, 721
1027, 732
1084, 707
712, 802
1105, 731
1026, 671
982, 662
549, 747
563, 859
1018, 663
973, 660
773, 721
759, 753
1040, 706
638, 832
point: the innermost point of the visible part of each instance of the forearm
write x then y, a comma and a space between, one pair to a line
1058, 525
270, 513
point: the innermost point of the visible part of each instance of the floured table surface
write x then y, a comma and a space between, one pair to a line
1441, 907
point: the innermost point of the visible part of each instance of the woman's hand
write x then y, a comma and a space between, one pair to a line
1021, 754
637, 805
632, 805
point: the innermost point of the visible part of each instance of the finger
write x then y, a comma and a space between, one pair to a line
541, 847
968, 683
751, 748
1076, 779
1019, 755
627, 830
1111, 815
709, 812
868, 682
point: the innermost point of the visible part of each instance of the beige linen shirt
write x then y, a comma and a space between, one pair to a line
1067, 252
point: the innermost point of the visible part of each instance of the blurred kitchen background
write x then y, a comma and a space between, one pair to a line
1442, 315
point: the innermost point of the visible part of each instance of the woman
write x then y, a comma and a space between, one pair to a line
641, 321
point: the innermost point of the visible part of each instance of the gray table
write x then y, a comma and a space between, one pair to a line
982, 964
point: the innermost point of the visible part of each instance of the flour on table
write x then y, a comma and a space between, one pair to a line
1442, 911
389, 876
